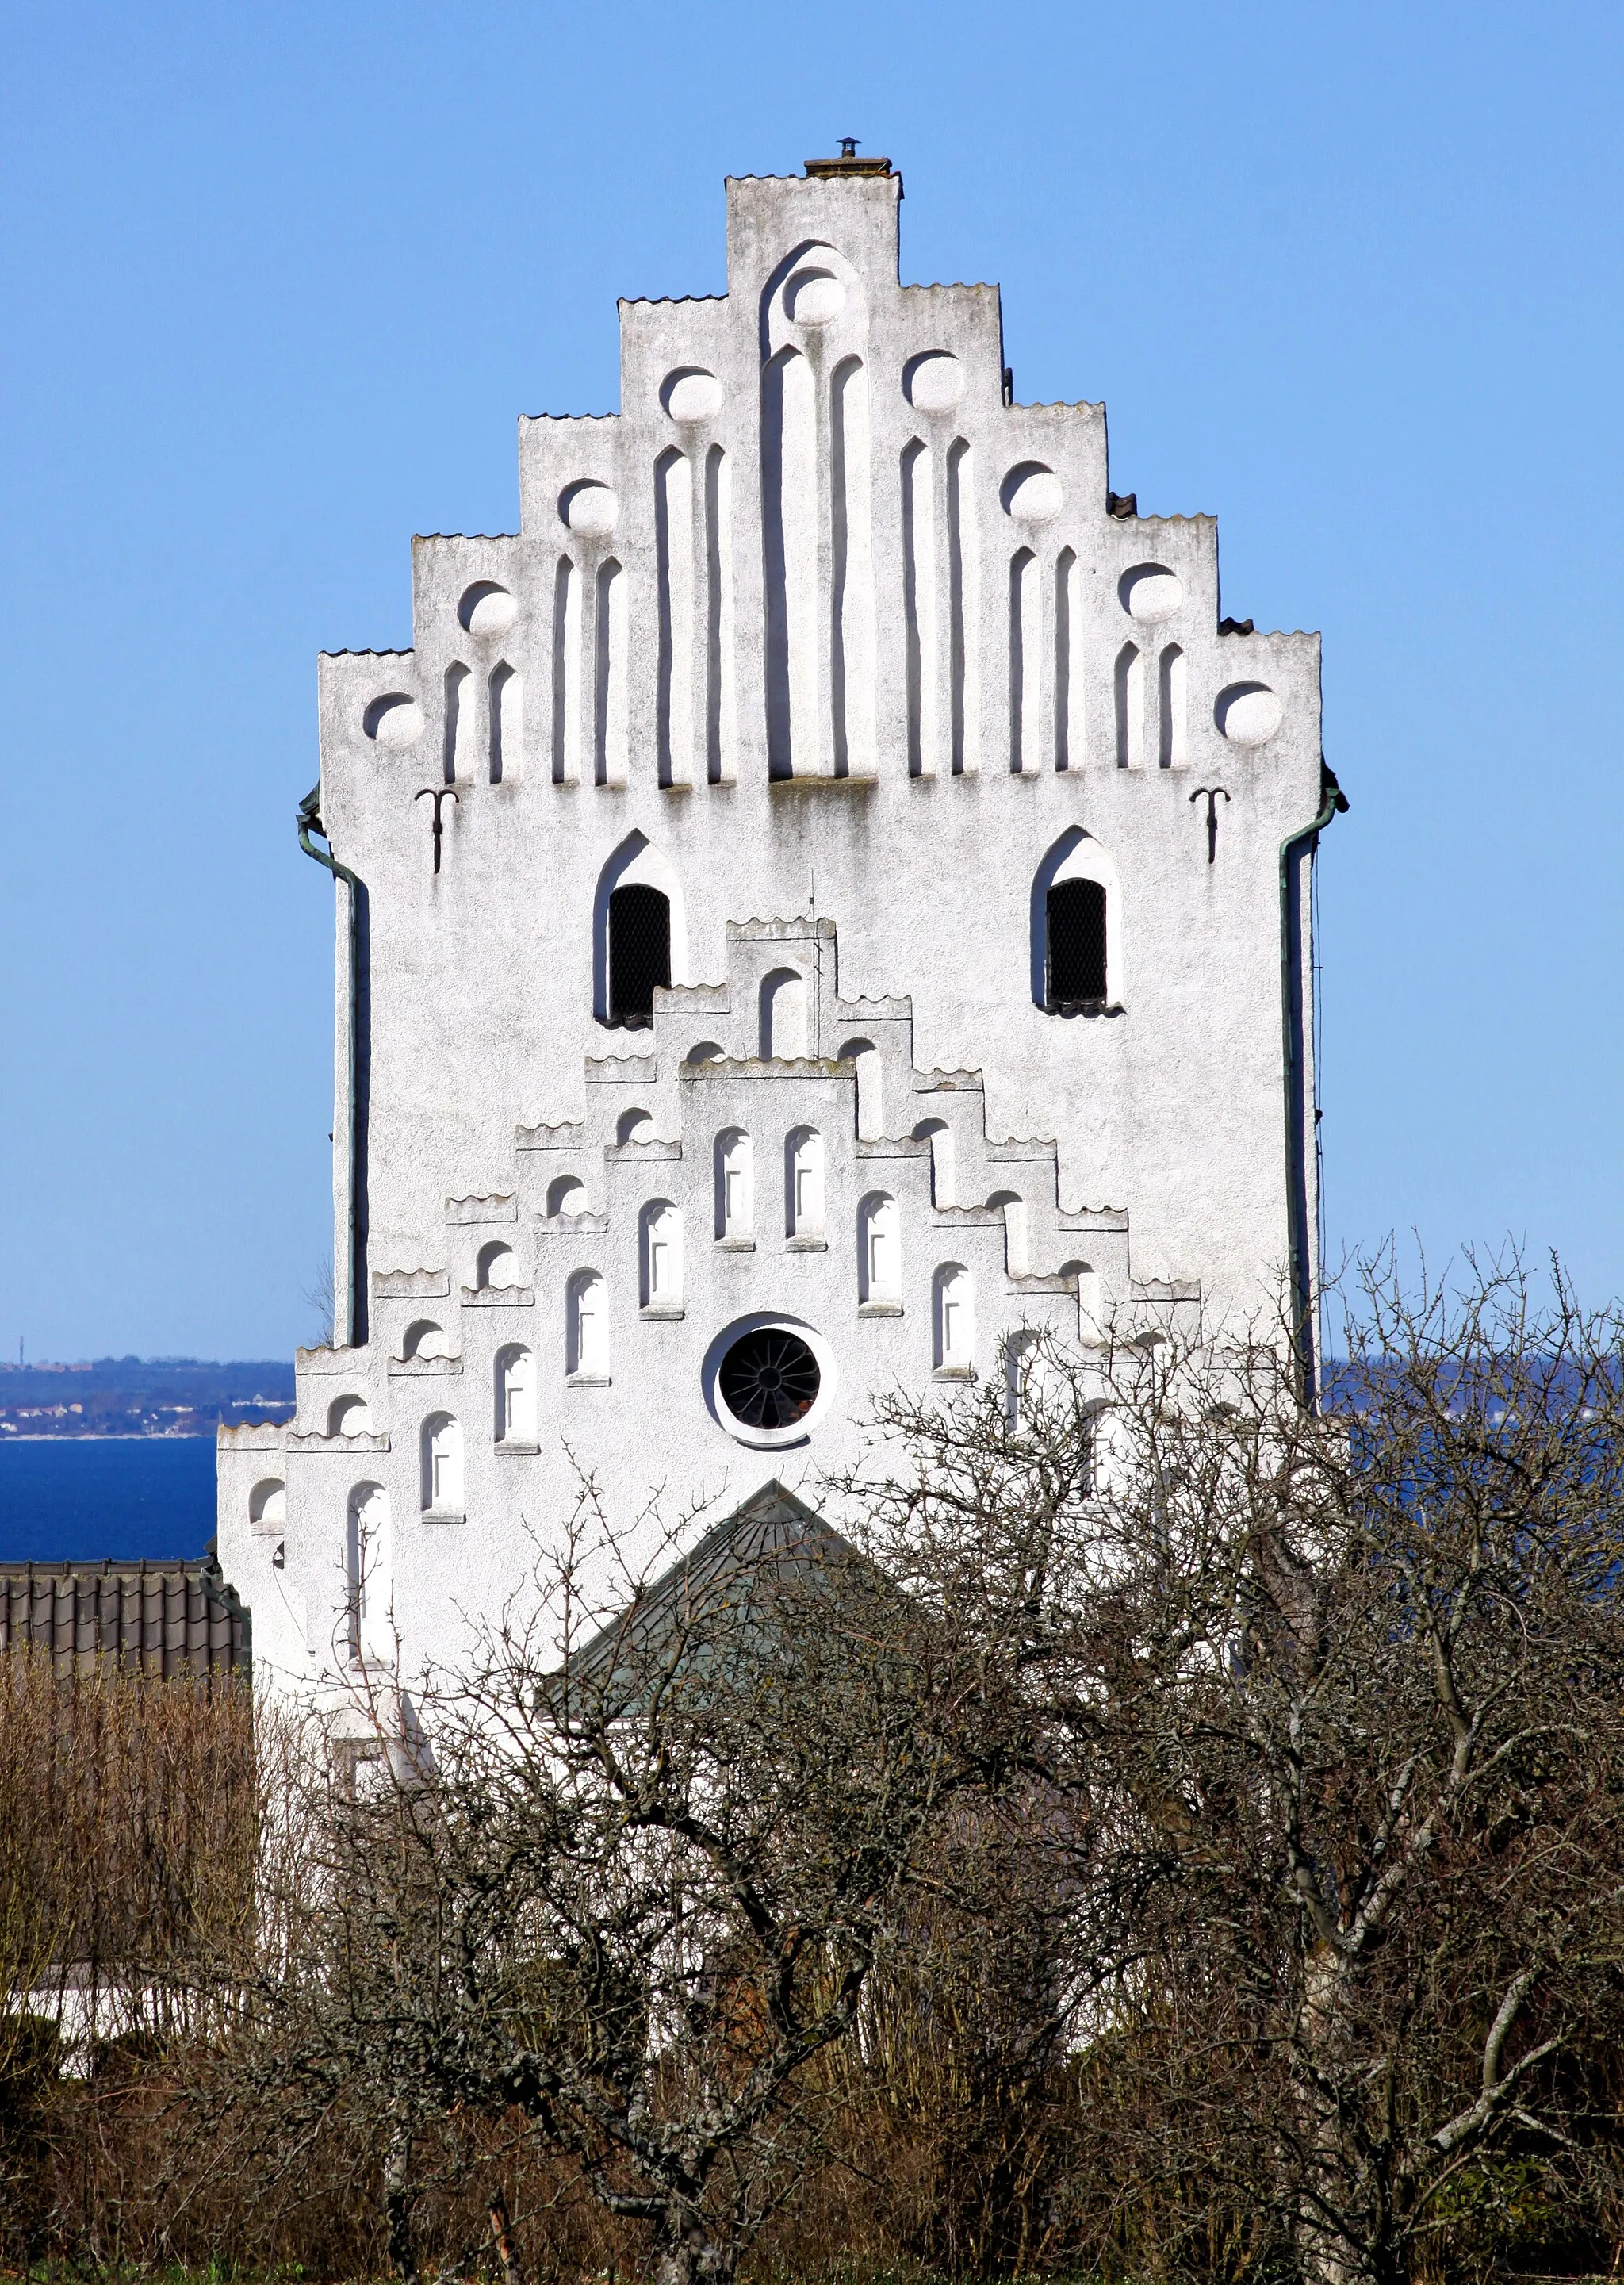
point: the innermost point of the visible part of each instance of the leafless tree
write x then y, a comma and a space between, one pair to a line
622, 1887
1324, 1708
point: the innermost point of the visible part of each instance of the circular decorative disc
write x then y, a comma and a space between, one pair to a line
1248, 714
691, 394
589, 507
934, 381
814, 297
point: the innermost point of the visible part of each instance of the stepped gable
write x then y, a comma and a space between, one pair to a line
825, 904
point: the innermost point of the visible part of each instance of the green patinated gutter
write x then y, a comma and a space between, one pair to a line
1299, 1126
309, 821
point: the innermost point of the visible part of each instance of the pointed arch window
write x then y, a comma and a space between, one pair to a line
639, 952
1076, 936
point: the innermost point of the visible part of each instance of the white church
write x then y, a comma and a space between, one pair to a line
826, 900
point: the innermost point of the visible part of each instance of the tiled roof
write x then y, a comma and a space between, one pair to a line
159, 1619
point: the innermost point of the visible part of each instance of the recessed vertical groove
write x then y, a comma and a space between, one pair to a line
610, 755
674, 541
1069, 747
789, 529
458, 722
851, 592
721, 764
567, 674
1172, 692
920, 607
964, 603
506, 696
1130, 692
1026, 658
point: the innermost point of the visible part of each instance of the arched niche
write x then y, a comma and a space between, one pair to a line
366, 1579
1077, 856
938, 1133
1012, 1205
660, 1257
268, 1505
735, 1187
1085, 1280
635, 863
814, 294
586, 1327
870, 1076
783, 1006
515, 1395
441, 1448
879, 1251
498, 1266
803, 1207
952, 1294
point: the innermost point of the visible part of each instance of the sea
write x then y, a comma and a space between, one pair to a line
82, 1498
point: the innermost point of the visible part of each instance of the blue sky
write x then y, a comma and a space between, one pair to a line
277, 282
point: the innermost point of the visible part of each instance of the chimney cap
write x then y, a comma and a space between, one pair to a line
848, 163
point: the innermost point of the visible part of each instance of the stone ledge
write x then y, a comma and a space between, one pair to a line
347, 1362
495, 1208
311, 1440
570, 1135
621, 1071
411, 1285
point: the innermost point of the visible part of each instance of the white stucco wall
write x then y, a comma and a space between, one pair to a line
828, 639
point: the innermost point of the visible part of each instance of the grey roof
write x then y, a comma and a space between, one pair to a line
157, 1619
773, 1536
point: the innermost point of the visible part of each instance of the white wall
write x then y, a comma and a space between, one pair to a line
825, 665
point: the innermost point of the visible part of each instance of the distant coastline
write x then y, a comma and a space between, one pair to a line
130, 1435
171, 1400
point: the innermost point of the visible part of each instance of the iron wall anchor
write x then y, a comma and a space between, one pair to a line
1213, 794
436, 794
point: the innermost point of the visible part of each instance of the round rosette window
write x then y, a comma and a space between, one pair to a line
769, 1380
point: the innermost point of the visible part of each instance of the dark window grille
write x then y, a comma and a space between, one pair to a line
639, 953
1076, 916
769, 1379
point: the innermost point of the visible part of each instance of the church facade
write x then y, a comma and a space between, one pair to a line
825, 900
